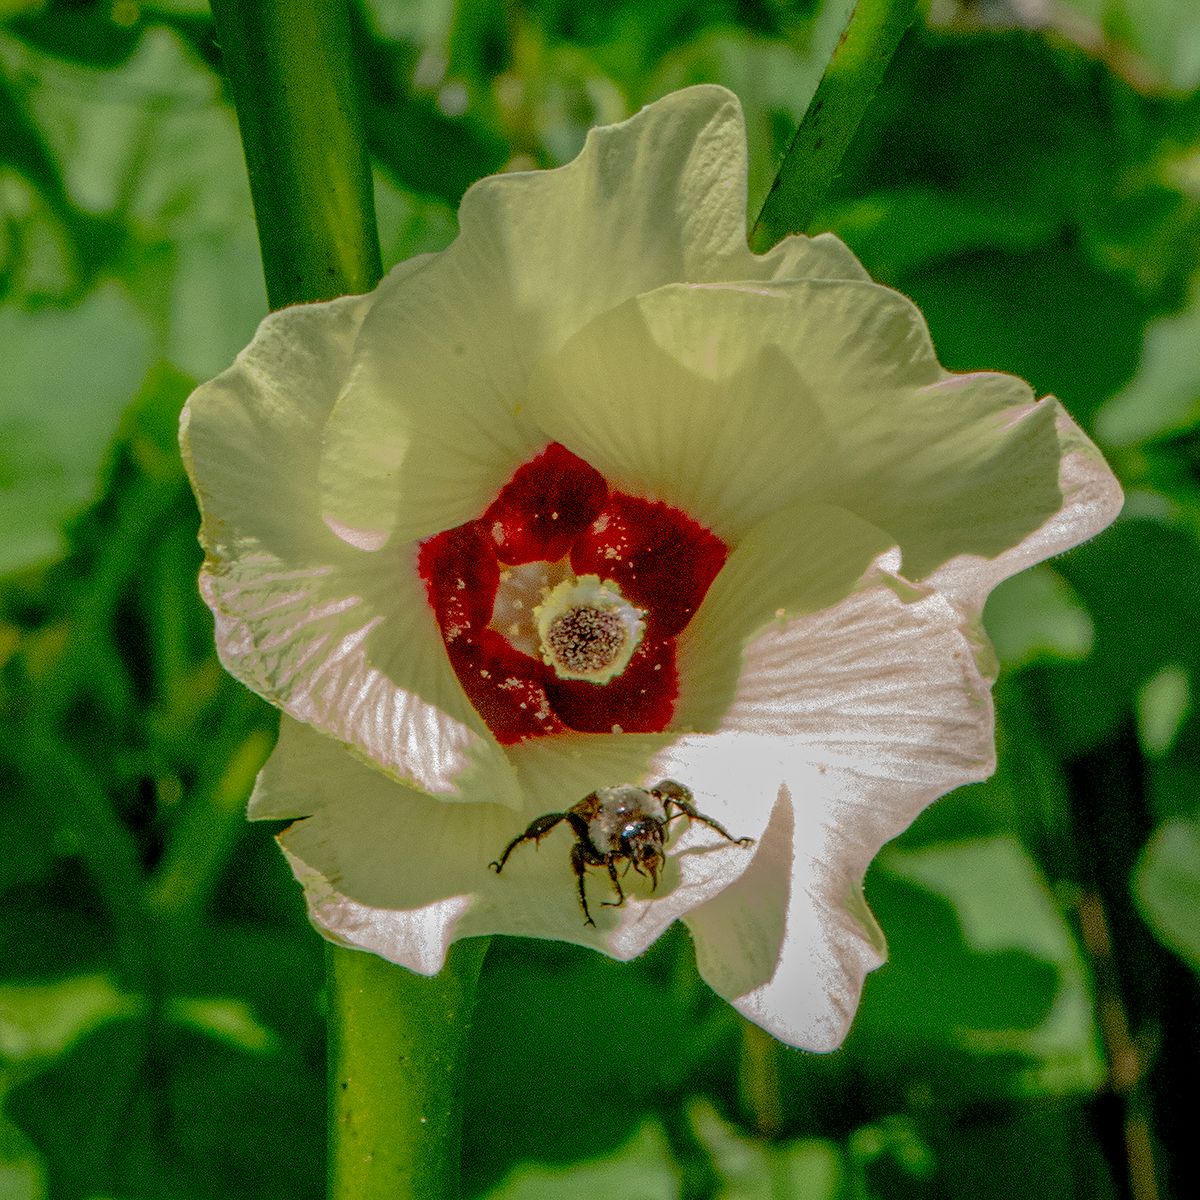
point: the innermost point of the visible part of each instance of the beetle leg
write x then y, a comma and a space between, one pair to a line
536, 831
686, 810
612, 874
577, 865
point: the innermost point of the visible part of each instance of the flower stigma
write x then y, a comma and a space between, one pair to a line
587, 629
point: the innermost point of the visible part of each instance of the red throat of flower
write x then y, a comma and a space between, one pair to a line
560, 605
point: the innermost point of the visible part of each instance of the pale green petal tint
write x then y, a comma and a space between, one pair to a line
1089, 499
684, 395
430, 423
333, 635
732, 400
423, 435
800, 257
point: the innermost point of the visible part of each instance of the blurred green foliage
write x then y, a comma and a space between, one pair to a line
1030, 174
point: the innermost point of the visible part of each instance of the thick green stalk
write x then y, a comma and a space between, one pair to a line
847, 87
290, 71
397, 1040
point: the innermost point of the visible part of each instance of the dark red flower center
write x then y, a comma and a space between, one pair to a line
560, 605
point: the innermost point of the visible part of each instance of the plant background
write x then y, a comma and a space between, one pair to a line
1030, 174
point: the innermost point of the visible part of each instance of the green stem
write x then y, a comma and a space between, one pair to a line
290, 72
847, 87
397, 1042
397, 1039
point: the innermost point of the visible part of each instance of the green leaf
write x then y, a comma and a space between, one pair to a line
29, 851
985, 994
254, 982
152, 143
37, 257
1166, 886
1140, 582
549, 1018
1031, 1151
751, 1169
1005, 311
79, 34
640, 1169
228, 1019
420, 22
1164, 396
68, 374
890, 1160
178, 8
1070, 165
1164, 34
144, 1109
43, 1020
895, 231
1035, 615
22, 1172
1163, 703
43, 943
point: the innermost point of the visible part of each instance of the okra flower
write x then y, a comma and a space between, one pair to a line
595, 497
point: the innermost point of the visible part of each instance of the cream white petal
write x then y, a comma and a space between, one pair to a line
798, 257
878, 708
374, 840
430, 424
801, 559
686, 395
399, 872
795, 965
424, 433
555, 772
807, 991
985, 481
1091, 499
731, 400
333, 635
885, 684
418, 939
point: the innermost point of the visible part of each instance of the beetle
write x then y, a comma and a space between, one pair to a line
620, 824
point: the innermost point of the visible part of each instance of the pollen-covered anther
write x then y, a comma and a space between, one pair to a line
586, 639
587, 629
